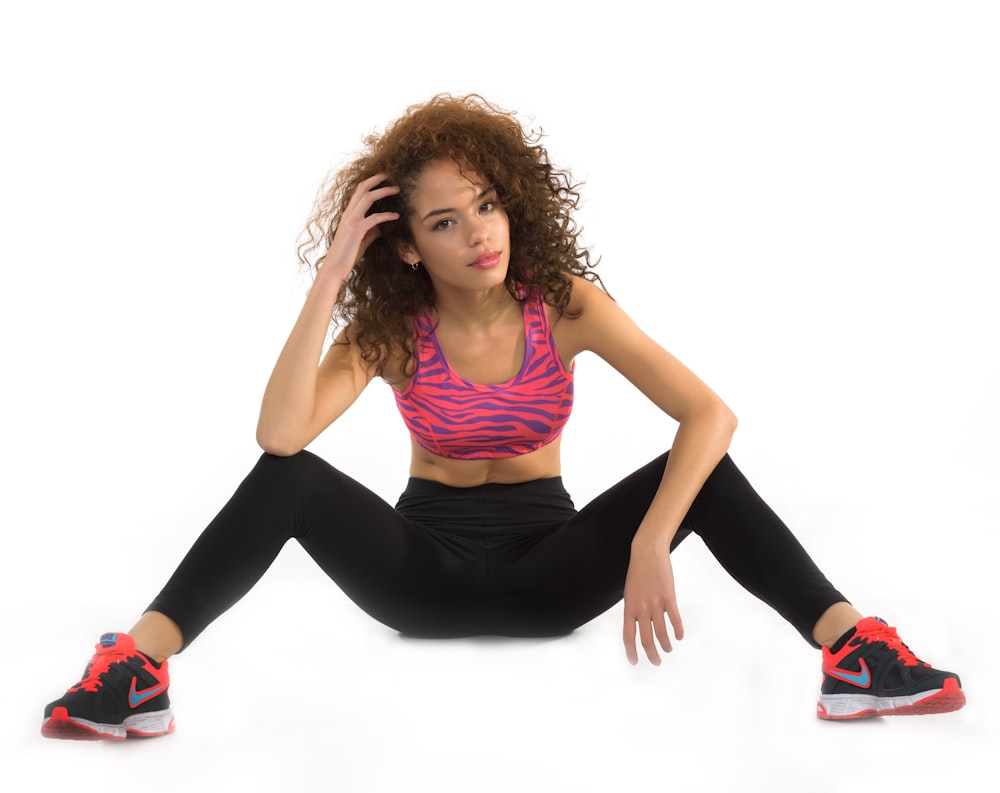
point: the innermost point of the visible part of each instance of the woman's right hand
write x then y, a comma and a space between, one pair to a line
357, 229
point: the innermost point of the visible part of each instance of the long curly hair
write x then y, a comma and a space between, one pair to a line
381, 296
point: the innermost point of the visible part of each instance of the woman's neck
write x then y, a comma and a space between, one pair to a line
475, 311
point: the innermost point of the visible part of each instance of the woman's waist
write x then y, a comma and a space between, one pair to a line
544, 463
493, 509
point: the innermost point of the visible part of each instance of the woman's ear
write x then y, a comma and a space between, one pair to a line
407, 252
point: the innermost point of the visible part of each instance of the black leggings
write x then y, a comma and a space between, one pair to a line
509, 560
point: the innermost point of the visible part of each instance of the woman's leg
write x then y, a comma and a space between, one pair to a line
392, 568
399, 572
757, 549
578, 570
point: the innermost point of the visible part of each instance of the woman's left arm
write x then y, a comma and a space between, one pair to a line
706, 426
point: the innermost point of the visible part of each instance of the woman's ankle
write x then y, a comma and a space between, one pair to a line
837, 620
156, 636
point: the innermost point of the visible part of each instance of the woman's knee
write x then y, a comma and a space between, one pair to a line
299, 466
725, 480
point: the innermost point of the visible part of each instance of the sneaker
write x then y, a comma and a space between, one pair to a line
122, 693
870, 672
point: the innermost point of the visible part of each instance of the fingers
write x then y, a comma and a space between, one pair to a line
357, 228
629, 638
648, 644
372, 181
369, 191
649, 603
675, 620
660, 628
652, 630
370, 236
371, 185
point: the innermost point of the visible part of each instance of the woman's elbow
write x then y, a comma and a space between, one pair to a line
728, 419
273, 443
722, 419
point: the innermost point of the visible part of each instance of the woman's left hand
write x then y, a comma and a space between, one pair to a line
649, 595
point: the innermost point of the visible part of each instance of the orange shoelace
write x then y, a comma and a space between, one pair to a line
879, 632
98, 665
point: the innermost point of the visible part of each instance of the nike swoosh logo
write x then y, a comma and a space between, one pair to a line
136, 698
862, 679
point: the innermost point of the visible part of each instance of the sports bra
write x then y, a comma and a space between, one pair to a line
451, 417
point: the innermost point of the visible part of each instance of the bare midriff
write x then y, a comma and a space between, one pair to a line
543, 463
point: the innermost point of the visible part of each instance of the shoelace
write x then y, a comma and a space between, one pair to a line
887, 634
98, 665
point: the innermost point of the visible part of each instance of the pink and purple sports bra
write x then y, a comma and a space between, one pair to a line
451, 417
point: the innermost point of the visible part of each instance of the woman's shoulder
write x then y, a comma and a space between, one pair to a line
584, 294
589, 315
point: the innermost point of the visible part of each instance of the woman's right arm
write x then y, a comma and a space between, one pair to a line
304, 396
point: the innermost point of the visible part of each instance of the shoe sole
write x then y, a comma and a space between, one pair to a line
835, 707
60, 725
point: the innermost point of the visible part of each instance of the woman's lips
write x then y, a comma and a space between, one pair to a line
486, 260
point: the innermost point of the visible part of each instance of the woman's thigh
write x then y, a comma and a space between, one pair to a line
576, 571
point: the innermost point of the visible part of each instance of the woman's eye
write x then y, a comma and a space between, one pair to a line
444, 224
489, 206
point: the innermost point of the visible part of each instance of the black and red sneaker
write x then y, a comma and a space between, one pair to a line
122, 693
870, 672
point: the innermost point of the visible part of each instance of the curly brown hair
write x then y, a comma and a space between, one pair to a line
380, 297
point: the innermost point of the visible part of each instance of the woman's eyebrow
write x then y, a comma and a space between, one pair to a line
445, 211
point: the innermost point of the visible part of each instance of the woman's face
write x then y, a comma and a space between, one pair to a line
460, 231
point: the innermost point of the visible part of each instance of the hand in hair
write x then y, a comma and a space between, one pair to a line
358, 229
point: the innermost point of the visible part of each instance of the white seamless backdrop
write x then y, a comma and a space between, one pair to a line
797, 199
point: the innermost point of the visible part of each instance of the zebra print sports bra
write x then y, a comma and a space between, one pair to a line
451, 417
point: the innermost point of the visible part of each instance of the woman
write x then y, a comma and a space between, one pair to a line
448, 253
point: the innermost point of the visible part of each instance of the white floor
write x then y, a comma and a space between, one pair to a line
296, 689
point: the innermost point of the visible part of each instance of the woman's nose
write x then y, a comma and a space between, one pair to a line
478, 231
